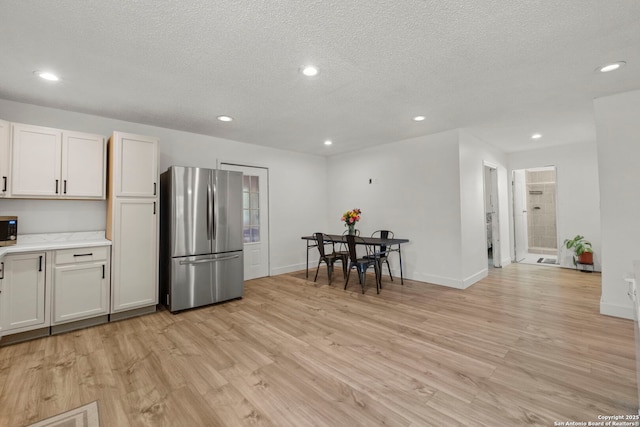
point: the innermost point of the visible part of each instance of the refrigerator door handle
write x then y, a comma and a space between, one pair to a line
202, 261
215, 209
209, 213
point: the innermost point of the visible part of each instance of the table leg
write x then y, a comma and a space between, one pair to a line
400, 255
307, 275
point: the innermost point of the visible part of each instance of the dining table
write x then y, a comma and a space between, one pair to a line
371, 241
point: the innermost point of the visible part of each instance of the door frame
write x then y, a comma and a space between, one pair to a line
515, 195
557, 209
495, 214
243, 164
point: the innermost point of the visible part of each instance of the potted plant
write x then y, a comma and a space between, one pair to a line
583, 253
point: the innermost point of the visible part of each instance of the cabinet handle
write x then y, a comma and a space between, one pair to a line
154, 188
65, 186
103, 271
4, 187
2, 270
154, 208
89, 254
56, 186
40, 264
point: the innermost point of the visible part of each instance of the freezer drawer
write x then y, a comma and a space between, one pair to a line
205, 279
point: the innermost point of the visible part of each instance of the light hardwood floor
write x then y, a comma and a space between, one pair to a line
525, 346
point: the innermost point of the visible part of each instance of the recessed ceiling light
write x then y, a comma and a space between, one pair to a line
419, 118
611, 67
328, 142
536, 136
47, 76
225, 118
309, 71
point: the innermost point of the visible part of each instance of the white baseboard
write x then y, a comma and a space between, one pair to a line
616, 310
449, 281
291, 268
468, 281
505, 261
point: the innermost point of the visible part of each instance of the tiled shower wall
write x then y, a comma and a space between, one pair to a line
541, 211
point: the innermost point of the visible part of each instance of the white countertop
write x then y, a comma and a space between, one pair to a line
52, 241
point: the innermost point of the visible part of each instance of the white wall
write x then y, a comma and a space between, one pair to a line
618, 134
297, 182
428, 189
473, 155
415, 194
578, 194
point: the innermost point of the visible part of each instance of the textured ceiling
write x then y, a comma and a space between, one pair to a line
503, 70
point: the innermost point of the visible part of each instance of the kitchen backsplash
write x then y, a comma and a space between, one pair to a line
56, 216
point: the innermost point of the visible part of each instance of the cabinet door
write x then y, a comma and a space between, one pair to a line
2, 293
5, 131
23, 292
83, 165
80, 291
135, 254
135, 162
35, 161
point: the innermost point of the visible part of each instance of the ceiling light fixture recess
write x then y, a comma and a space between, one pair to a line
225, 118
611, 67
328, 142
47, 76
419, 118
536, 136
309, 70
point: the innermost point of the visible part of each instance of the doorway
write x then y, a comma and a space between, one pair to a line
255, 221
535, 216
492, 217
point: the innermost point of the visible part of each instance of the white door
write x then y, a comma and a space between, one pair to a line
83, 165
23, 291
80, 291
136, 165
135, 254
520, 215
255, 211
35, 166
4, 158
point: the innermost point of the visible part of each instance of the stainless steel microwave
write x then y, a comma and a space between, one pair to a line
8, 230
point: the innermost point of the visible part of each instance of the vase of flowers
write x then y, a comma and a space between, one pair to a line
350, 218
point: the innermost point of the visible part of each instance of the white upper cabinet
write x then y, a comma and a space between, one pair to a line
84, 165
51, 163
5, 132
35, 162
135, 165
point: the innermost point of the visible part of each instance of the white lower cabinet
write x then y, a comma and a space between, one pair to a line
24, 298
80, 284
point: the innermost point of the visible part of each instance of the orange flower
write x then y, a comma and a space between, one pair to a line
351, 217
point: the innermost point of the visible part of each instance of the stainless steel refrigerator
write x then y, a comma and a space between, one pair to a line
201, 259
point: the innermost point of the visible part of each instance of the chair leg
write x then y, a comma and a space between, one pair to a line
329, 270
362, 273
317, 269
389, 268
347, 281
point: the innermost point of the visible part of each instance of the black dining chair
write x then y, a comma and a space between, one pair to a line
343, 248
329, 258
361, 263
382, 252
